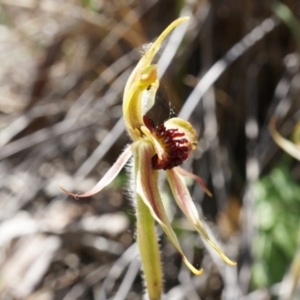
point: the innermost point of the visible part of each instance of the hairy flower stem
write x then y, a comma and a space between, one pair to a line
148, 248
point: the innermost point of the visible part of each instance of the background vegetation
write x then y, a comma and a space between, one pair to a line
64, 65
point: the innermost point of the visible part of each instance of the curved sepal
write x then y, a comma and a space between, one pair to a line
142, 84
183, 198
140, 97
146, 60
109, 176
286, 145
147, 189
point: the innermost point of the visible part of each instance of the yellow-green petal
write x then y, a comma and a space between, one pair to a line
109, 176
133, 110
143, 79
147, 189
184, 201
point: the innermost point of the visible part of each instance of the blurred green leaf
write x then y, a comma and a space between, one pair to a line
287, 16
89, 4
277, 220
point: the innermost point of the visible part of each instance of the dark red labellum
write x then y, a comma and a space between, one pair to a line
173, 142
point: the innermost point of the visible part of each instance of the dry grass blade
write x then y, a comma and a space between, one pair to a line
41, 136
220, 66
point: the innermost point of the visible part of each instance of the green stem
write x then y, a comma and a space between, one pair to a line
149, 250
148, 247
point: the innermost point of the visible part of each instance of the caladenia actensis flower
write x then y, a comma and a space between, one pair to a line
155, 148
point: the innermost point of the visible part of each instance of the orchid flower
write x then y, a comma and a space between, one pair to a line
155, 148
